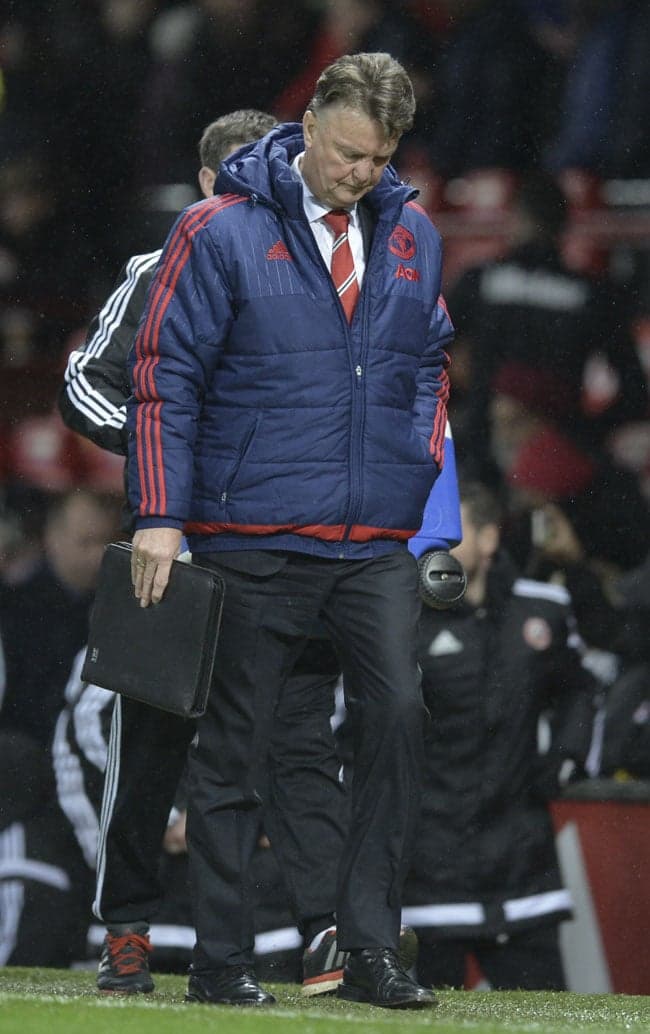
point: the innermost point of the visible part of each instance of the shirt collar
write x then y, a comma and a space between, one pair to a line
314, 209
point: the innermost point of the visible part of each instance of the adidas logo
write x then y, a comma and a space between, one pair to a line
444, 643
279, 251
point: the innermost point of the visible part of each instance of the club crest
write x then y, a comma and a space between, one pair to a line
402, 243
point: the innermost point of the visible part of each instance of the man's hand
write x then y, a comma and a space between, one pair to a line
153, 550
174, 841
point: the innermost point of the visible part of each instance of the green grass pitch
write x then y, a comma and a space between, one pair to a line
49, 1001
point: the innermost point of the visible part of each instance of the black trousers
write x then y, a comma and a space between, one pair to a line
370, 609
527, 961
306, 806
147, 753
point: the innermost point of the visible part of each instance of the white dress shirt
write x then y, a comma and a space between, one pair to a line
315, 210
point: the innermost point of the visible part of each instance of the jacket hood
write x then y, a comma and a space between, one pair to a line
262, 171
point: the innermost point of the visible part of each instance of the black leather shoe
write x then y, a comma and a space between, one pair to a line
234, 985
374, 976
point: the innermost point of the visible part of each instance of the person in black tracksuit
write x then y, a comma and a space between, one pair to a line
80, 754
485, 875
148, 748
530, 308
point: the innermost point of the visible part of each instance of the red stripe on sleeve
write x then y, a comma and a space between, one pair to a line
149, 469
144, 495
149, 424
158, 450
437, 440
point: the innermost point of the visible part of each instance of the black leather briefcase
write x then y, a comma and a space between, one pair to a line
163, 654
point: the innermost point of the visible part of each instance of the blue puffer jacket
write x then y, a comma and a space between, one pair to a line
260, 418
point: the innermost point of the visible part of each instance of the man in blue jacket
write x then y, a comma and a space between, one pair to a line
288, 416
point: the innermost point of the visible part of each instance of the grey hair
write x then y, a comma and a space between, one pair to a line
375, 84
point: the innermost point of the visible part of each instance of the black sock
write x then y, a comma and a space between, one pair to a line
139, 926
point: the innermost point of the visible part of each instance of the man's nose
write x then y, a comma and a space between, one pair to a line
363, 171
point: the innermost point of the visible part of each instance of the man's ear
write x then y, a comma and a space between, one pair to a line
308, 123
206, 180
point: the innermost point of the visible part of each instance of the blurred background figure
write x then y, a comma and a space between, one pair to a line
44, 618
626, 719
488, 89
603, 101
531, 313
208, 58
612, 612
485, 878
41, 262
536, 460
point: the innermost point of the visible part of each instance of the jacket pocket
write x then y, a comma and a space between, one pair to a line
243, 452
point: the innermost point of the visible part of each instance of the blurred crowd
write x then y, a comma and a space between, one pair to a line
532, 117
101, 102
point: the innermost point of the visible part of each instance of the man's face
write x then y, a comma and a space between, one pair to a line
345, 154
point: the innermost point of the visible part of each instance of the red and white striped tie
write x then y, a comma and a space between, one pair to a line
343, 273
